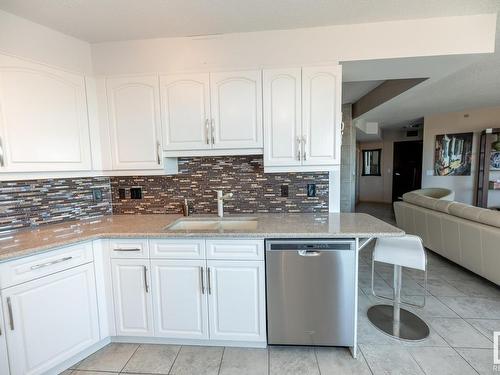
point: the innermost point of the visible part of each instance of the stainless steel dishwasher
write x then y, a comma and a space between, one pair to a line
310, 292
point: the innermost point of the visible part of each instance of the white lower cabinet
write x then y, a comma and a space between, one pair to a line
51, 319
132, 297
237, 300
180, 299
4, 359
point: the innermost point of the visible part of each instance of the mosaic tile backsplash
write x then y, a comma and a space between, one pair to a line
198, 179
34, 202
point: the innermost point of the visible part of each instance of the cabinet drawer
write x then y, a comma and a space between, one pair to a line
178, 249
129, 248
32, 267
235, 249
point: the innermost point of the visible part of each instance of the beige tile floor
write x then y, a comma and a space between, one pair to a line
462, 311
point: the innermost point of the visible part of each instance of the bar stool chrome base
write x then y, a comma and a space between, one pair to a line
409, 327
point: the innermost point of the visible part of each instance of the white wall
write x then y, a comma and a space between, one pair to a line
23, 38
379, 188
458, 122
408, 38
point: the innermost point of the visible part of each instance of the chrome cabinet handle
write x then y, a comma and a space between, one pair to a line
131, 249
299, 145
146, 286
202, 281
309, 253
213, 130
207, 131
2, 162
42, 265
158, 158
304, 141
11, 317
209, 281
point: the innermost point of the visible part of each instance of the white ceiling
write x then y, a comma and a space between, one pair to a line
352, 91
456, 84
111, 20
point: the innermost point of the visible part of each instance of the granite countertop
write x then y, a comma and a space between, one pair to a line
334, 225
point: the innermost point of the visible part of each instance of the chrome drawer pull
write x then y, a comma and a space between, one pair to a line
42, 265
11, 318
2, 162
158, 158
131, 249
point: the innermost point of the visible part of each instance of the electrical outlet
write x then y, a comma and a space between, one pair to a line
311, 190
97, 194
122, 193
136, 193
284, 191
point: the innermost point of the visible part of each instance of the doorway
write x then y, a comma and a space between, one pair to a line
407, 168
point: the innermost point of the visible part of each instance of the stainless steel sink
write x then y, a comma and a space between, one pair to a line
213, 224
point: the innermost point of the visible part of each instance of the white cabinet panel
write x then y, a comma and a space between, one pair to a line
236, 103
177, 249
50, 319
185, 106
129, 248
132, 297
134, 117
43, 118
237, 300
235, 249
321, 123
180, 299
282, 117
4, 359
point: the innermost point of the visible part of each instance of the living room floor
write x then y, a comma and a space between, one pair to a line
462, 310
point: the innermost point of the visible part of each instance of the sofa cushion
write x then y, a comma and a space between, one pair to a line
490, 217
477, 214
420, 200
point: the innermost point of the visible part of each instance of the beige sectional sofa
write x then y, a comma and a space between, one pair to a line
467, 235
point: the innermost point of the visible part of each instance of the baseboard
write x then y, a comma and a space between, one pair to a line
194, 342
69, 363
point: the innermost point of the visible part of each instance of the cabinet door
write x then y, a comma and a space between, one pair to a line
50, 319
134, 118
282, 117
236, 104
4, 359
132, 297
322, 117
43, 119
185, 109
180, 299
237, 300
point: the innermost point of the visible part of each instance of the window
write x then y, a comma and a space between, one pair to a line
371, 162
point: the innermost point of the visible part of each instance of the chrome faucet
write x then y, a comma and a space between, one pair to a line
220, 202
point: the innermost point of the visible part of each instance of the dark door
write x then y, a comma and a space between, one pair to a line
407, 168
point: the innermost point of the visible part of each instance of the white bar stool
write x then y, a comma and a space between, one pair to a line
407, 251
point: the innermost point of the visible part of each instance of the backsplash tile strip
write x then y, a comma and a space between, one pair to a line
34, 202
199, 177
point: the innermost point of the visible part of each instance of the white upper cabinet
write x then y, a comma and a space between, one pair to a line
212, 114
282, 117
321, 116
236, 102
43, 118
134, 119
302, 118
185, 109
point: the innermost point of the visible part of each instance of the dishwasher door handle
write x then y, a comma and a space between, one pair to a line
309, 253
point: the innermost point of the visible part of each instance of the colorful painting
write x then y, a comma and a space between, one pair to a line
452, 155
